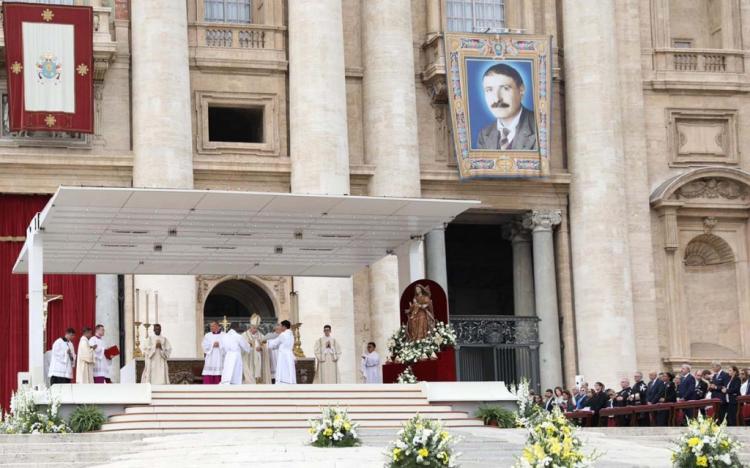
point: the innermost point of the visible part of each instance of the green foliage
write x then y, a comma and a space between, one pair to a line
86, 418
494, 413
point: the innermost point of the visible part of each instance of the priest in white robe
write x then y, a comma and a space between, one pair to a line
156, 351
233, 345
255, 364
273, 354
371, 368
327, 353
213, 355
101, 362
63, 359
85, 359
285, 369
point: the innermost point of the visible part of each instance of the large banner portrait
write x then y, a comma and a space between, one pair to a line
499, 90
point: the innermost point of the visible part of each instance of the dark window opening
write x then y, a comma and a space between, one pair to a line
235, 125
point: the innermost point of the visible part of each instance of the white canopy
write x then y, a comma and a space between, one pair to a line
166, 231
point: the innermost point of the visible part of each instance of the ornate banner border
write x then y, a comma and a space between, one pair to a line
82, 19
489, 163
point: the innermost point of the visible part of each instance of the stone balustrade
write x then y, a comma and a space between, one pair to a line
237, 36
699, 60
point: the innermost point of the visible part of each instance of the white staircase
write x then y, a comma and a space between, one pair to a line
202, 407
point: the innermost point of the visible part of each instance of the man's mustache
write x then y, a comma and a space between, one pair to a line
500, 104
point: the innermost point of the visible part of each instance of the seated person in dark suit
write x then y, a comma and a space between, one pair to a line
515, 127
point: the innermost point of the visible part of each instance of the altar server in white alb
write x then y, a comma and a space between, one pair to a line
285, 370
371, 369
101, 362
327, 353
233, 345
273, 354
63, 359
157, 351
85, 359
214, 357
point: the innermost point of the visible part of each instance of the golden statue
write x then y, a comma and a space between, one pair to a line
420, 316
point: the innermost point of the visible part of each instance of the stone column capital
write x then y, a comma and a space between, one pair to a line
515, 231
542, 220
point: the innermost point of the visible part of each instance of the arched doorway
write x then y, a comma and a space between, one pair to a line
237, 300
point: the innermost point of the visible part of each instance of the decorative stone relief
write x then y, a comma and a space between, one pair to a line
542, 220
713, 188
707, 249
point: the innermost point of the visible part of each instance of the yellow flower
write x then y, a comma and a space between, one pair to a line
423, 452
442, 456
693, 441
311, 430
724, 444
554, 446
444, 435
538, 451
328, 432
396, 453
528, 455
347, 426
701, 461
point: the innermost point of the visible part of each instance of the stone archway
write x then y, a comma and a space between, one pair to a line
704, 268
237, 299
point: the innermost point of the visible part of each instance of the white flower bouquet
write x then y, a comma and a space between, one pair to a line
422, 442
333, 429
26, 418
706, 444
407, 377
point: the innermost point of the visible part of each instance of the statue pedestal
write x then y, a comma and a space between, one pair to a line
305, 368
442, 369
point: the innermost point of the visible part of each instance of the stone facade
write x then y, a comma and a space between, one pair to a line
649, 189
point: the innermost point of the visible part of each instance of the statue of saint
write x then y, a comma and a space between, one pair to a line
420, 317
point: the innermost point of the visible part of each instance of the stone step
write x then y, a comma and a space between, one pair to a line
198, 425
264, 408
285, 416
286, 395
319, 402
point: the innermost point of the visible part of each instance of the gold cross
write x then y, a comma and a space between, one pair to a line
225, 324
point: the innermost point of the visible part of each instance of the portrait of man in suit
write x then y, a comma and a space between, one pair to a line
509, 107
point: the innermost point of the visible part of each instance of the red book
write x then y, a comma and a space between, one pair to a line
111, 352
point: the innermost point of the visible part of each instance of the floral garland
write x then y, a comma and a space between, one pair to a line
404, 351
706, 444
552, 441
333, 429
407, 377
422, 442
24, 417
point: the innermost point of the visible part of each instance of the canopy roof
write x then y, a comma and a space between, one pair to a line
188, 232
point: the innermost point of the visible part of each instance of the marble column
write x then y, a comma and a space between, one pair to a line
523, 271
435, 260
598, 209
163, 144
390, 137
108, 314
541, 224
320, 158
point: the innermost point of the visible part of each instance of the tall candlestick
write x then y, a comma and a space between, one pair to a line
147, 321
137, 305
156, 306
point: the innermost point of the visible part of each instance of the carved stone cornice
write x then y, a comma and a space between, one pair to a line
542, 220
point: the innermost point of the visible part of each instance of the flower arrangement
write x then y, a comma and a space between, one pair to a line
706, 444
333, 429
404, 351
526, 407
553, 441
25, 417
407, 377
422, 442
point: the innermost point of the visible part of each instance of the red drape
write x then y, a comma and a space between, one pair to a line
77, 309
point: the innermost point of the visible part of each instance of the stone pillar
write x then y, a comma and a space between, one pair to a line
320, 159
523, 271
541, 224
108, 314
390, 137
598, 210
435, 260
163, 144
434, 18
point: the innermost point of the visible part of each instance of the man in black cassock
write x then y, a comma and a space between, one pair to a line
621, 400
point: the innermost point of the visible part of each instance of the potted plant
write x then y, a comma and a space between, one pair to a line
494, 415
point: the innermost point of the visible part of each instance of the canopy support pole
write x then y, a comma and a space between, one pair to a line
36, 303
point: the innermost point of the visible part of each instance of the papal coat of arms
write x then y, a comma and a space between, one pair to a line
49, 68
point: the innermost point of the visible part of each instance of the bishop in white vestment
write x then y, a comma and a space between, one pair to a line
213, 355
233, 345
327, 352
63, 359
371, 369
85, 360
255, 364
285, 370
157, 351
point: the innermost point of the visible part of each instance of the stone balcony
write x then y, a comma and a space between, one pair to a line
104, 45
697, 69
237, 47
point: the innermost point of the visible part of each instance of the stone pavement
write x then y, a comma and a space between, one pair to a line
480, 448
